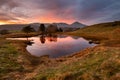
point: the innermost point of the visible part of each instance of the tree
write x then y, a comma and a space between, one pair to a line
60, 30
28, 29
42, 28
52, 28
4, 31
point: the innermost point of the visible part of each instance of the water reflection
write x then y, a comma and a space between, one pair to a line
42, 39
50, 38
57, 45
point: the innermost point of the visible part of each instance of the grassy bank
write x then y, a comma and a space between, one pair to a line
15, 61
8, 59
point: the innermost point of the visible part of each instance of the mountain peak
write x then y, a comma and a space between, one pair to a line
76, 22
77, 25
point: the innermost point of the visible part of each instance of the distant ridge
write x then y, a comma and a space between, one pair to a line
64, 26
12, 26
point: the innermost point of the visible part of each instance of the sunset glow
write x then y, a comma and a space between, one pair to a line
1, 23
67, 11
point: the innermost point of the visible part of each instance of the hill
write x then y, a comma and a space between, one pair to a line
98, 31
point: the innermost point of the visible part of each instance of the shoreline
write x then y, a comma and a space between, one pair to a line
26, 41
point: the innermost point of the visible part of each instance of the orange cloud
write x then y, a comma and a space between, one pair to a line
21, 21
4, 22
43, 19
8, 22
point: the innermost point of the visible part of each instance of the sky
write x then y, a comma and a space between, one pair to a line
50, 11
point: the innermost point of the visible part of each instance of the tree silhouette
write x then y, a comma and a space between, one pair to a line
60, 30
42, 28
28, 29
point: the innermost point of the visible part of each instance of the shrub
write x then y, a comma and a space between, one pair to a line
52, 28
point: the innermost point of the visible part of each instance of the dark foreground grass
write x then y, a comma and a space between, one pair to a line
98, 65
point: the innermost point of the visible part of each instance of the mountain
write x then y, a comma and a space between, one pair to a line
64, 26
77, 25
70, 27
73, 25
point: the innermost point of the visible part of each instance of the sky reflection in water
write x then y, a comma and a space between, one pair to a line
56, 46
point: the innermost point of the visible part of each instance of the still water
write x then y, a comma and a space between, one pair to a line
56, 46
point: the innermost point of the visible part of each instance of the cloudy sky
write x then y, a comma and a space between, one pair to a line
48, 11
